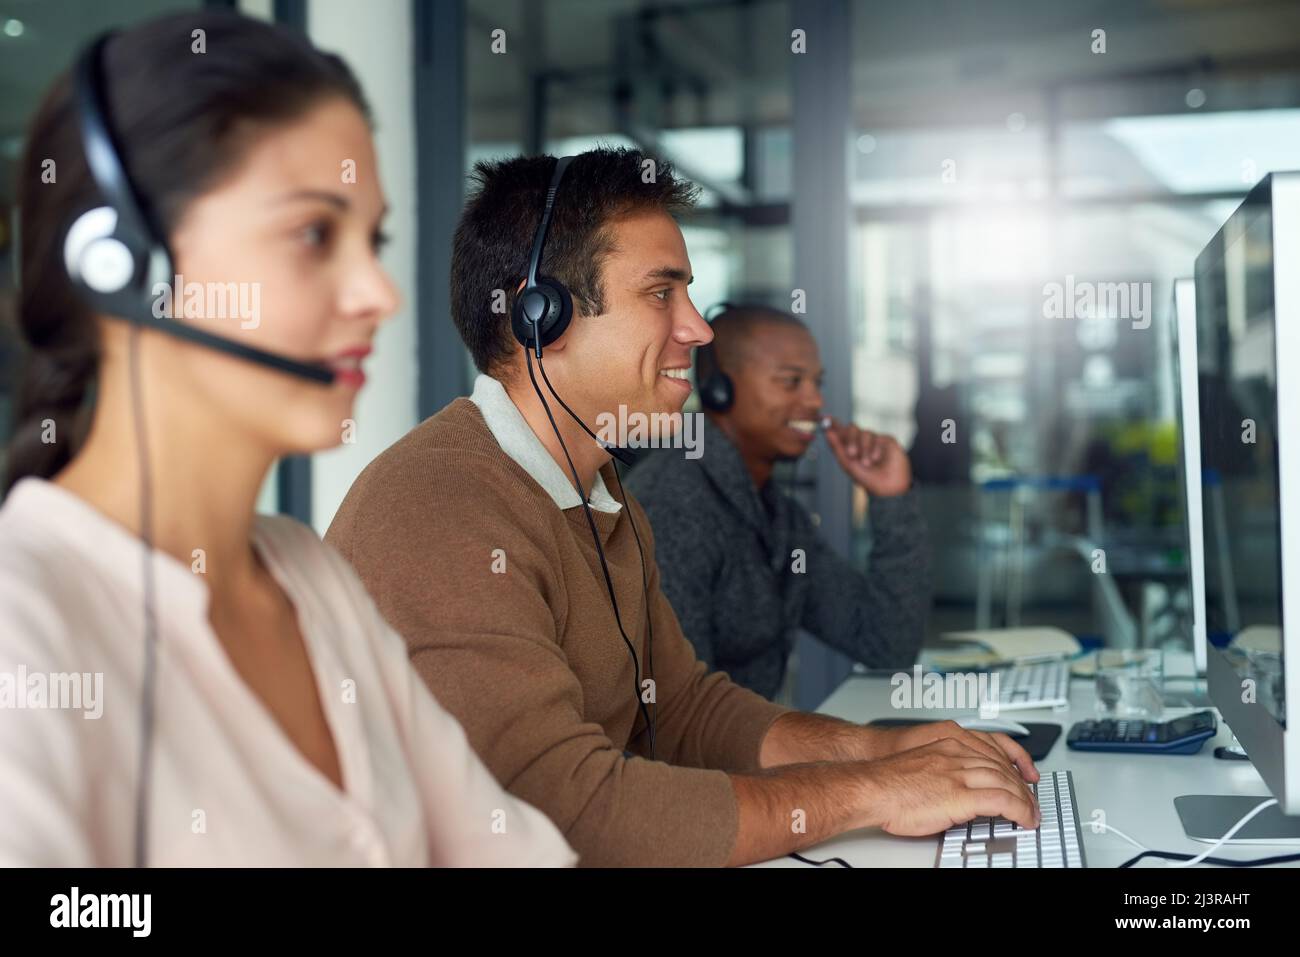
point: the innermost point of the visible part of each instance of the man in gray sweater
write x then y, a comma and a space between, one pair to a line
741, 561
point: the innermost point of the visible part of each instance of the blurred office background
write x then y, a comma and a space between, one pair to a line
920, 173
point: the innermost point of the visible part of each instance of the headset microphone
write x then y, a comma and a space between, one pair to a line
622, 454
115, 254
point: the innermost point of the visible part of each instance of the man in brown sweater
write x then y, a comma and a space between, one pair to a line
470, 534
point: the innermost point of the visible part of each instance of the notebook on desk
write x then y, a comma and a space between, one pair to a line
989, 647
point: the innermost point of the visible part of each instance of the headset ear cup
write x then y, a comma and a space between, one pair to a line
717, 393
107, 266
561, 312
94, 257
551, 303
520, 324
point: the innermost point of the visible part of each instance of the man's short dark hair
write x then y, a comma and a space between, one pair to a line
732, 327
496, 230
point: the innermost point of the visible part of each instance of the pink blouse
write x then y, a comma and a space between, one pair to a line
228, 787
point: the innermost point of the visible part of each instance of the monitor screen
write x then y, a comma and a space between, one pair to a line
1239, 451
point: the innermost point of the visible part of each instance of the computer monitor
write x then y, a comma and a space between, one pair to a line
1248, 348
1183, 323
1201, 493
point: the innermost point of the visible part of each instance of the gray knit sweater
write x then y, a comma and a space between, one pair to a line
726, 557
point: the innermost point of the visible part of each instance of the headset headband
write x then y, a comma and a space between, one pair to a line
103, 152
539, 241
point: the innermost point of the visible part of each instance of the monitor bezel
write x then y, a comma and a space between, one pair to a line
1183, 323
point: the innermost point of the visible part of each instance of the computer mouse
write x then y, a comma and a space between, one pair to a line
994, 724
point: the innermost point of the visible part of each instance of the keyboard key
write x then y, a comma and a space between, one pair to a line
998, 843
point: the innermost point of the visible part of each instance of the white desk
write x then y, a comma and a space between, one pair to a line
1135, 792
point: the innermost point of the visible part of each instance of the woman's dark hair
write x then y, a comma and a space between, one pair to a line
184, 108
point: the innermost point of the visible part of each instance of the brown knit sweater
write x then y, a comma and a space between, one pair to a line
529, 659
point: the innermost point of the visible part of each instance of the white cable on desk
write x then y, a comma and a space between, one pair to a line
1106, 827
1223, 840
1200, 857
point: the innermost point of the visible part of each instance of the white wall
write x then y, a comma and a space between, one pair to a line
375, 39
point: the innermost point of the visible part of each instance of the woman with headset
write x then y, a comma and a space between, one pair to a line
183, 681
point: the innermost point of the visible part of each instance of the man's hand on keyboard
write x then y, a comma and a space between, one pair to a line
887, 741
930, 788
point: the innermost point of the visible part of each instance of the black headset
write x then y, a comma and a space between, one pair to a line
717, 392
115, 253
541, 313
543, 307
